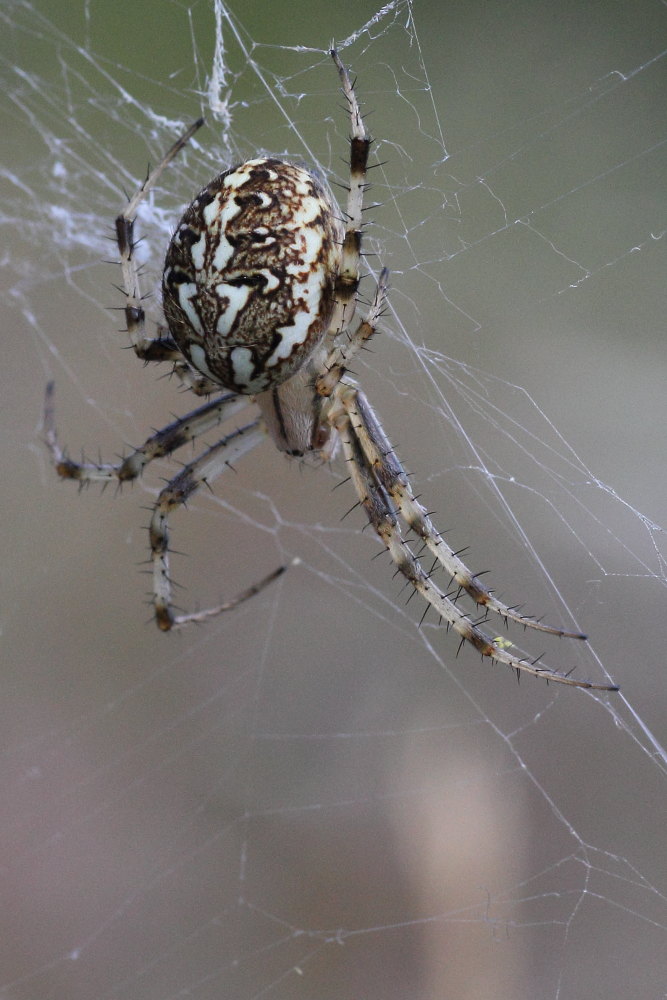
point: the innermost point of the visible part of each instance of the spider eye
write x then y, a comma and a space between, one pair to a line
249, 276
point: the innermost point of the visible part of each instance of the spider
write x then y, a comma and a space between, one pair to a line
259, 290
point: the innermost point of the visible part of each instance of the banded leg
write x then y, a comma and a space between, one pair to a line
203, 470
163, 348
383, 490
360, 141
144, 347
339, 357
160, 444
389, 471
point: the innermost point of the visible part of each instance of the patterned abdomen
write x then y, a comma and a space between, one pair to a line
249, 276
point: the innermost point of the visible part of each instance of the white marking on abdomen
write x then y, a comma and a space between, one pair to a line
187, 291
237, 297
198, 359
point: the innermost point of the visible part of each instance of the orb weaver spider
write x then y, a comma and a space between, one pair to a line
259, 291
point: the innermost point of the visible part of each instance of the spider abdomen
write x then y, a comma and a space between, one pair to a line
250, 274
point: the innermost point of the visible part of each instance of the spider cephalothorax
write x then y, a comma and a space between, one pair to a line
259, 293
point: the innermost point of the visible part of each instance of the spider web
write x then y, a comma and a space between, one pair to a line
312, 796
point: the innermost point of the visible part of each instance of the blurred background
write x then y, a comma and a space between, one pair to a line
311, 796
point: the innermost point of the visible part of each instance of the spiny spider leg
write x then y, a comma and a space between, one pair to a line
144, 347
370, 481
160, 444
360, 142
340, 356
178, 621
200, 385
203, 470
163, 348
390, 473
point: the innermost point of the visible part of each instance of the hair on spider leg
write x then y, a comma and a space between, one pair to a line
370, 208
480, 620
370, 140
374, 166
482, 572
423, 617
454, 595
342, 482
382, 551
123, 292
414, 591
353, 507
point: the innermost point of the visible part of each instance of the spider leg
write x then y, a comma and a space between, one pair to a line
203, 470
390, 473
144, 347
163, 442
360, 141
339, 357
190, 379
164, 348
382, 489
